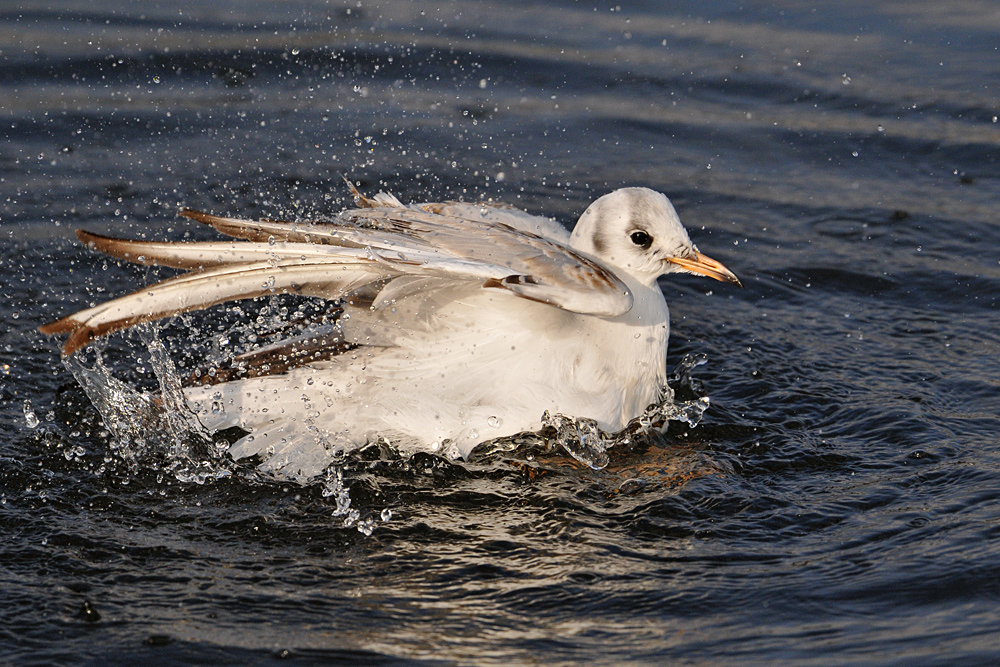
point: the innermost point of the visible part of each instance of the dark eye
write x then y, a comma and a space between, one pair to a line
641, 239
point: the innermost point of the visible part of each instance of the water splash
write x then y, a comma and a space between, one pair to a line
159, 427
682, 375
333, 486
150, 426
581, 438
587, 443
30, 418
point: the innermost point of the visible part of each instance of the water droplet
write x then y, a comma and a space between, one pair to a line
29, 415
386, 514
494, 422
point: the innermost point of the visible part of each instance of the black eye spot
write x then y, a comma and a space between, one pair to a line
641, 239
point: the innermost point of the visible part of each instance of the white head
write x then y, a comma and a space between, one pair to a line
637, 230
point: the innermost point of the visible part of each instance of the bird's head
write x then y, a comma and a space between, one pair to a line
637, 230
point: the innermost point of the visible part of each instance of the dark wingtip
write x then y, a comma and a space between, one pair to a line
78, 340
198, 216
80, 336
57, 327
92, 240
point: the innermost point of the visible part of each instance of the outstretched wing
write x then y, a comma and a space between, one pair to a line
375, 246
537, 266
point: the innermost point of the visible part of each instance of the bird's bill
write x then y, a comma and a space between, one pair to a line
706, 266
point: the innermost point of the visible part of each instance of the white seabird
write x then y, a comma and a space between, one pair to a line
461, 322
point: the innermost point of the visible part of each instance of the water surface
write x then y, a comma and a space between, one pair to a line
836, 505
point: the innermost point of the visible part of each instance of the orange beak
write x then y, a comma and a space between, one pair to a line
706, 266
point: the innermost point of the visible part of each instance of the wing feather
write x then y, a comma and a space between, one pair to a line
492, 213
420, 246
196, 291
194, 256
540, 268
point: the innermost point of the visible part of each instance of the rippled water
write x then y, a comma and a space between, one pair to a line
838, 503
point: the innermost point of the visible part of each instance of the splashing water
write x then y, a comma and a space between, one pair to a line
587, 443
584, 440
162, 427
580, 437
148, 425
30, 418
333, 485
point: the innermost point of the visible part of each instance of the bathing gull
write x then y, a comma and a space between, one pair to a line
459, 322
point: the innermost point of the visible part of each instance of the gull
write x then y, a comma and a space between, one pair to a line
459, 323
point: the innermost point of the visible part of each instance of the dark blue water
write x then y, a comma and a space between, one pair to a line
839, 503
